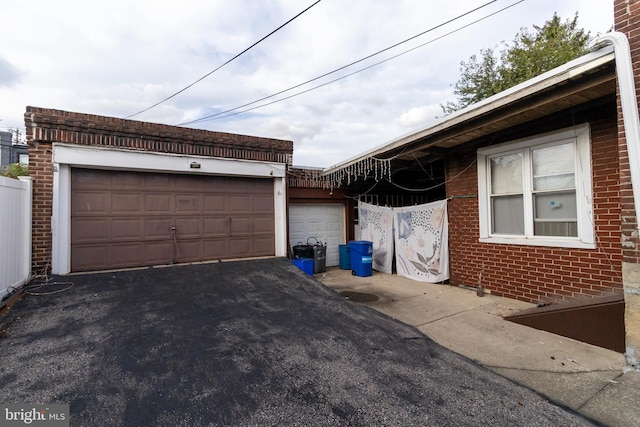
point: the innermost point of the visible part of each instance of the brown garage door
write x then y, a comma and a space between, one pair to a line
130, 219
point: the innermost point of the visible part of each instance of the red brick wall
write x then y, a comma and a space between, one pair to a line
533, 273
627, 21
41, 171
47, 126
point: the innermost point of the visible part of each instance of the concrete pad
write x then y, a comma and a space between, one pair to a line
417, 303
580, 376
495, 342
617, 403
388, 287
427, 308
583, 385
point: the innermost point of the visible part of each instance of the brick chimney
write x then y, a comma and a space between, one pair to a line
627, 21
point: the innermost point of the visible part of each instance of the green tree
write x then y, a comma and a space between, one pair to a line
531, 54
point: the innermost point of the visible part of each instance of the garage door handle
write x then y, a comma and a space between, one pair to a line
175, 242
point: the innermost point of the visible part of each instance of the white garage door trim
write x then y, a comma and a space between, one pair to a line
325, 221
65, 156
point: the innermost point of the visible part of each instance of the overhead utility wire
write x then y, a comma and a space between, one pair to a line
338, 69
234, 112
216, 69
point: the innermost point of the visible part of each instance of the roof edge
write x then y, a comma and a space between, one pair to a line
557, 75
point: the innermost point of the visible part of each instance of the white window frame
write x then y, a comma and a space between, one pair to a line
579, 135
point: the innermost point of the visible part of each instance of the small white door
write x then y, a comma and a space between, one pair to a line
325, 221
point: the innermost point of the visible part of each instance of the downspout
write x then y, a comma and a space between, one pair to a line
629, 102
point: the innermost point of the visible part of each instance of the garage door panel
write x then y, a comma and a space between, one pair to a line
240, 226
159, 252
91, 202
128, 180
263, 205
90, 230
188, 204
263, 246
188, 183
262, 225
215, 204
127, 229
159, 203
188, 227
237, 186
125, 219
216, 226
296, 229
190, 250
158, 228
158, 182
122, 254
239, 205
334, 226
126, 203
261, 186
215, 249
239, 247
91, 179
315, 228
91, 258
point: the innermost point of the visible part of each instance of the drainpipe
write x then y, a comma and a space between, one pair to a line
629, 103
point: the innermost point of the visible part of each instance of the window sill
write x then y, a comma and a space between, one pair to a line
574, 244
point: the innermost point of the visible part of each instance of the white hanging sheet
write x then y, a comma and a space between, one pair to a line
376, 225
422, 242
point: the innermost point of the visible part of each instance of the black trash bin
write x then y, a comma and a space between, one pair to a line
303, 251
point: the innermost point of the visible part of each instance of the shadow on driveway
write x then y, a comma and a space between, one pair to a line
242, 343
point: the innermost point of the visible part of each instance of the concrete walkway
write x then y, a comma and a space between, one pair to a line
589, 379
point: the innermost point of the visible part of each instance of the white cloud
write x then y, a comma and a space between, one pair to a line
119, 57
419, 116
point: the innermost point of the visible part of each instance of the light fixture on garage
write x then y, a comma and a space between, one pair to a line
194, 165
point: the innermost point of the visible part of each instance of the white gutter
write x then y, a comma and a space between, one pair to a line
629, 102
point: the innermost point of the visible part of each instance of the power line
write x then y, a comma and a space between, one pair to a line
218, 115
213, 116
230, 60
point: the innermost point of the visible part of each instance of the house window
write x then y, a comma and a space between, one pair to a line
537, 191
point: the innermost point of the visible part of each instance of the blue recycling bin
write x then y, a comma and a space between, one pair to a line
361, 257
304, 264
345, 257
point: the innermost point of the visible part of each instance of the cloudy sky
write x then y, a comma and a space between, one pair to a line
119, 57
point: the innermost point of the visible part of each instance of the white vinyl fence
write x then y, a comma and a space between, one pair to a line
15, 233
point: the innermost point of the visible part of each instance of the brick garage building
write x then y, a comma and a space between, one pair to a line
114, 193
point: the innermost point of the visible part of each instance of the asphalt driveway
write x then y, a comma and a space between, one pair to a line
242, 343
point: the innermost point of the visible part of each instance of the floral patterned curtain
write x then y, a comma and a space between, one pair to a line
376, 225
421, 242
